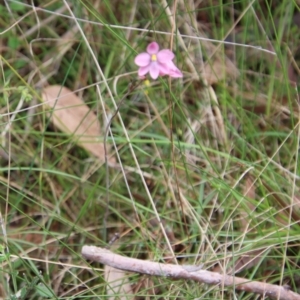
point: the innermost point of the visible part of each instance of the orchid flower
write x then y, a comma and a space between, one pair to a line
157, 63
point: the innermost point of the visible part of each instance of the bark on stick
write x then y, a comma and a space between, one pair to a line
107, 257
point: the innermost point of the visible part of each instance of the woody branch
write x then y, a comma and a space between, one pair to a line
109, 258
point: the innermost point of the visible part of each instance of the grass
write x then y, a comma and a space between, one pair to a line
214, 156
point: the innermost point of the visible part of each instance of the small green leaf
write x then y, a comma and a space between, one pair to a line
44, 291
17, 7
13, 42
21, 294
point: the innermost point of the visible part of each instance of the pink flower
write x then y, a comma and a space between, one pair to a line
157, 62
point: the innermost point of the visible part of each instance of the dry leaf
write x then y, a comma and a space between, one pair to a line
71, 115
118, 286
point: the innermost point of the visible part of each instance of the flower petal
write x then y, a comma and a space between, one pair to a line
143, 70
154, 70
152, 48
176, 73
143, 59
163, 69
170, 69
165, 55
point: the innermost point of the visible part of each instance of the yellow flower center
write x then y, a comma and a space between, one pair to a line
153, 57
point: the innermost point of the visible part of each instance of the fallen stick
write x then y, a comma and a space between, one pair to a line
109, 258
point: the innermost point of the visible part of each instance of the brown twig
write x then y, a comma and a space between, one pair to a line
107, 257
